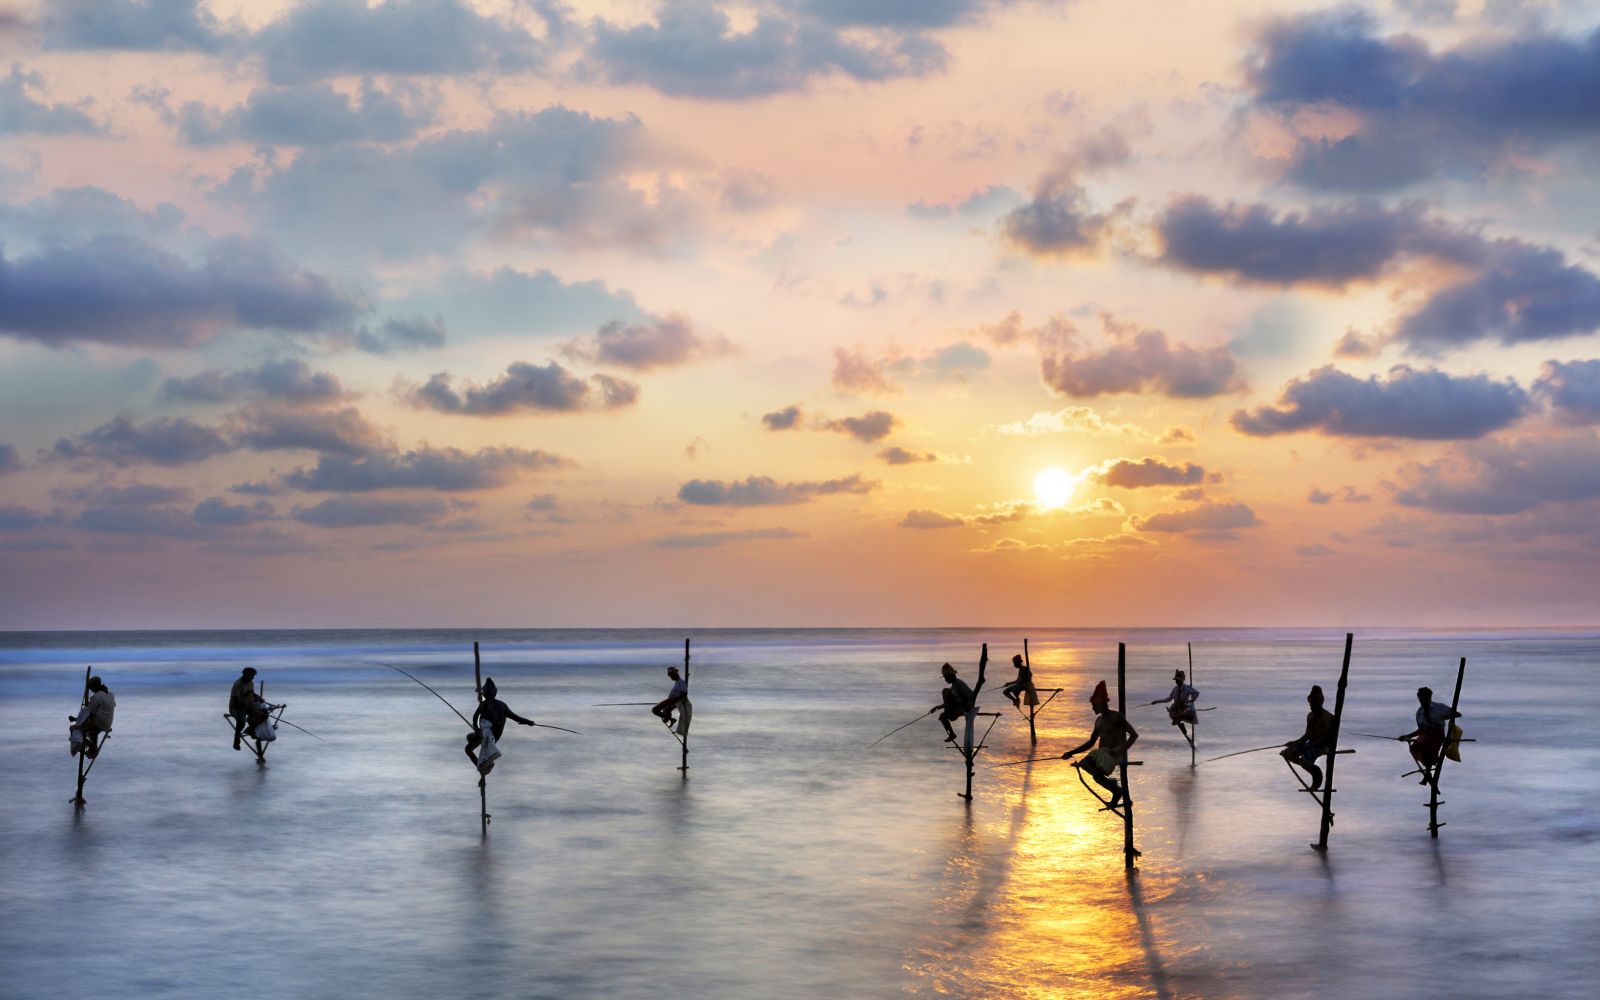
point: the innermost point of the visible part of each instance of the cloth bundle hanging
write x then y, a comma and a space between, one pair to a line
488, 750
1030, 696
685, 716
74, 740
264, 731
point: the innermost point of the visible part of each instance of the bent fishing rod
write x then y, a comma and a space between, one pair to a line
908, 725
452, 708
1237, 753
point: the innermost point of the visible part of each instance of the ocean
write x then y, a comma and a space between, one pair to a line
794, 860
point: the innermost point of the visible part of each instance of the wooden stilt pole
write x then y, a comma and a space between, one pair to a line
966, 748
684, 736
1033, 709
483, 779
261, 748
77, 798
1433, 784
1194, 728
1129, 852
1333, 749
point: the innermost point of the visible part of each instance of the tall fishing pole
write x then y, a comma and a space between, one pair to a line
1333, 747
1438, 767
77, 798
1193, 736
1240, 753
685, 714
483, 776
908, 725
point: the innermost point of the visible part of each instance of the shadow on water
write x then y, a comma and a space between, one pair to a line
1147, 938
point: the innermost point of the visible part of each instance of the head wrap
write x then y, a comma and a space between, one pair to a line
1100, 697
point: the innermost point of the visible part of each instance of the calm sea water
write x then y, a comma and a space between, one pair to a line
794, 861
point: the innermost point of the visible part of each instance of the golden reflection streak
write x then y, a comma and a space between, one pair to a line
1034, 902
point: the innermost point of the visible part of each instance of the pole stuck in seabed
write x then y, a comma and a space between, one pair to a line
83, 773
1129, 852
1031, 696
969, 750
483, 777
1333, 748
1433, 779
685, 714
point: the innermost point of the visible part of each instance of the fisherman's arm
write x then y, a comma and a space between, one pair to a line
1133, 734
514, 717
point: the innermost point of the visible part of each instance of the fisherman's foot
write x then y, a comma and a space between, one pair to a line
236, 745
951, 738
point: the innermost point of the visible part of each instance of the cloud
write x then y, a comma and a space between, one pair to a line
23, 114
15, 518
1520, 293
332, 432
1346, 494
362, 512
318, 39
982, 204
761, 491
1203, 518
931, 519
785, 419
1139, 361
290, 381
120, 289
1402, 114
715, 539
1129, 474
121, 442
901, 13
875, 425
660, 343
1408, 403
127, 495
310, 115
1504, 290
403, 335
1176, 435
694, 50
217, 511
507, 301
554, 173
1314, 551
136, 25
1330, 246
1572, 388
162, 522
896, 455
1078, 419
76, 214
547, 388
424, 468
853, 371
1504, 477
1059, 221
9, 462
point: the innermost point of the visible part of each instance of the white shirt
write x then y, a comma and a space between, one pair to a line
680, 689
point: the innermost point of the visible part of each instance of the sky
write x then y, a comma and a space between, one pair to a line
339, 313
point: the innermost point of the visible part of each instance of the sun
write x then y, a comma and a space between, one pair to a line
1053, 487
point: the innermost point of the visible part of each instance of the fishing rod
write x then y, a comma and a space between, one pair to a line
308, 732
1030, 760
1275, 746
623, 704
1375, 736
463, 718
436, 694
908, 725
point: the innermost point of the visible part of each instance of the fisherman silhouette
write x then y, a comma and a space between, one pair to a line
1115, 736
1430, 735
492, 714
1022, 685
1315, 741
678, 696
94, 719
241, 699
957, 701
1180, 702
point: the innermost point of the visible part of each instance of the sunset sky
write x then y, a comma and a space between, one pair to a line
825, 312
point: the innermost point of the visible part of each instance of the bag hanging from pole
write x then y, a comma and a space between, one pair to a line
685, 716
1030, 696
74, 740
265, 731
488, 750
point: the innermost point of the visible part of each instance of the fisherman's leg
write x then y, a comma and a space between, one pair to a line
663, 710
945, 718
474, 738
238, 730
91, 742
1308, 761
1107, 782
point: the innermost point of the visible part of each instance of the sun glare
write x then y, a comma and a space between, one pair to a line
1053, 487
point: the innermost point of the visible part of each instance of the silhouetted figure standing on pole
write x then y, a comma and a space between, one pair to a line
1429, 737
241, 701
1180, 702
957, 701
488, 725
1114, 736
1315, 741
676, 699
1022, 685
94, 719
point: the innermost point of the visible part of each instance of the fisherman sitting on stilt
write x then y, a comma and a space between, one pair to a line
93, 720
674, 699
1180, 703
1429, 737
1115, 736
241, 699
1315, 741
488, 725
957, 701
1022, 685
